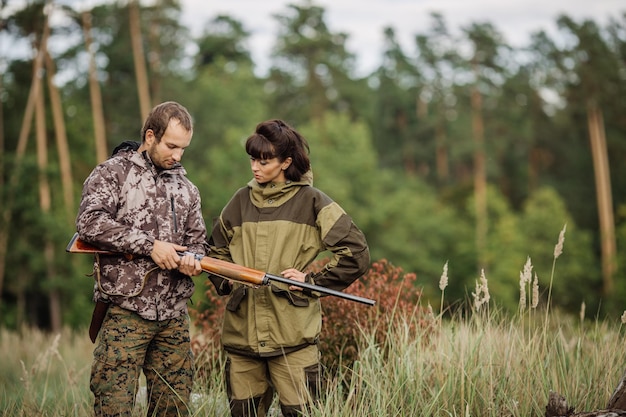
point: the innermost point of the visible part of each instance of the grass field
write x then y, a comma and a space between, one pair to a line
478, 363
484, 365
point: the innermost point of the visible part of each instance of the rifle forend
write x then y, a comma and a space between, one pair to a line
228, 270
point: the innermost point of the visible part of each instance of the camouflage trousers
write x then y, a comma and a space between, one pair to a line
251, 382
128, 344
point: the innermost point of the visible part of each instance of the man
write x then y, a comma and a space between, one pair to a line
140, 203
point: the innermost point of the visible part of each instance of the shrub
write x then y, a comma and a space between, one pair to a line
397, 301
207, 317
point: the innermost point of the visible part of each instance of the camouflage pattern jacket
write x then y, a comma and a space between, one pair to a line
126, 204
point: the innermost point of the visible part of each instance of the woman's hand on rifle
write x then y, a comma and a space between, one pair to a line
295, 275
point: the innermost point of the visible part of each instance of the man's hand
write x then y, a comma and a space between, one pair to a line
189, 265
166, 256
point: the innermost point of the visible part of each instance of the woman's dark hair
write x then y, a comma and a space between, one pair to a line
276, 139
159, 119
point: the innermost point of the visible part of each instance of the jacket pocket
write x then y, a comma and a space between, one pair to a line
293, 299
235, 299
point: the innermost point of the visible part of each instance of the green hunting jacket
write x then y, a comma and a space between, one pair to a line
273, 227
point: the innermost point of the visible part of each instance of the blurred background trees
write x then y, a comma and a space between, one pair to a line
461, 149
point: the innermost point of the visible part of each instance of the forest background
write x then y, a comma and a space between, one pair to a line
461, 153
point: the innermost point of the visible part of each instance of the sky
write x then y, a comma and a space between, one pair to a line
364, 20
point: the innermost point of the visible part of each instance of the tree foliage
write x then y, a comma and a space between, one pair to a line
395, 148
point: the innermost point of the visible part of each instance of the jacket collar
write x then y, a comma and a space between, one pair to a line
143, 160
277, 193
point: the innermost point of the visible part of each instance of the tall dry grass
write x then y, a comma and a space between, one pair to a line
43, 374
47, 375
481, 366
479, 362
477, 365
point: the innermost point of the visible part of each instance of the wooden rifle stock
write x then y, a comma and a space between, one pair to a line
229, 271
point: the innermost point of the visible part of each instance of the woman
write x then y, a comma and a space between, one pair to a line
279, 223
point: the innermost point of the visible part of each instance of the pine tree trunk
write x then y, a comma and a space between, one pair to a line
45, 203
408, 154
480, 175
154, 61
603, 194
95, 94
443, 172
138, 58
63, 148
2, 201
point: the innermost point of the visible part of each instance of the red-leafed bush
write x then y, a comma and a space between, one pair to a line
397, 301
207, 316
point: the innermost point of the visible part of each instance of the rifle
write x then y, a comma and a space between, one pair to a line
229, 271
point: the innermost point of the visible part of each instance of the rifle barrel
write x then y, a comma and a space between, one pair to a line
321, 289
